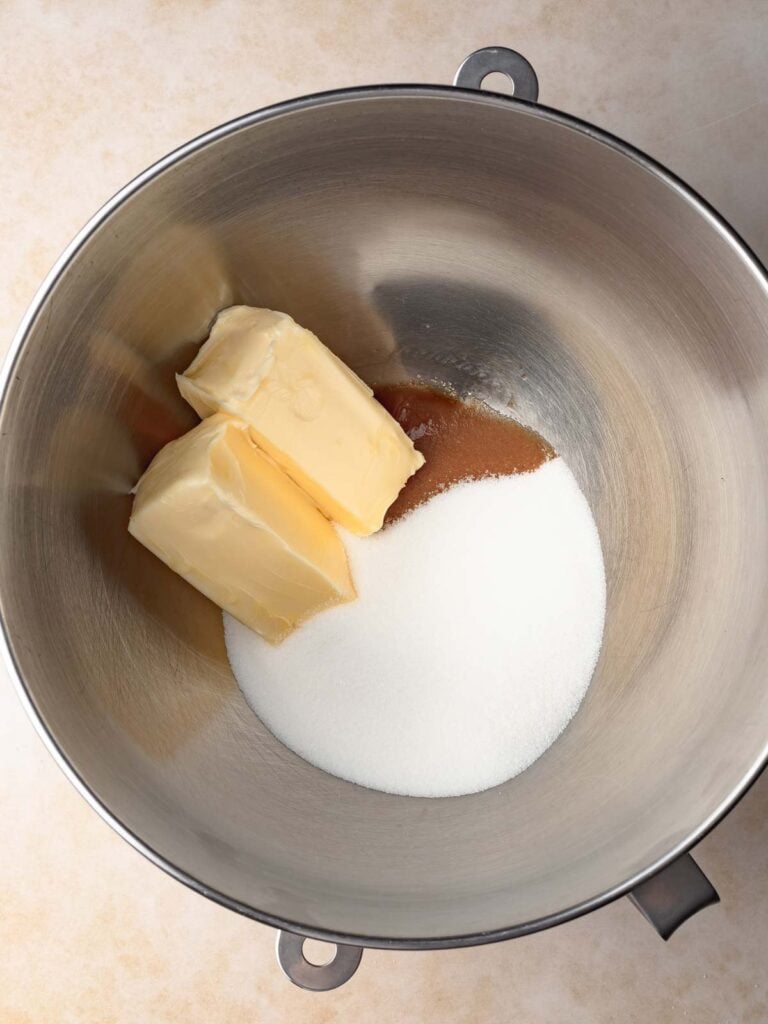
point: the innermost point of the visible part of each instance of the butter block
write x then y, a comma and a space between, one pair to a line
309, 411
219, 512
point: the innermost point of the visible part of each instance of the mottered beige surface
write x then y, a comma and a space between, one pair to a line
89, 95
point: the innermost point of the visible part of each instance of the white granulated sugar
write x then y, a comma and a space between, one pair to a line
471, 645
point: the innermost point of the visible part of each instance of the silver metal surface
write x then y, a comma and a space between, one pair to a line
511, 252
499, 59
673, 895
315, 977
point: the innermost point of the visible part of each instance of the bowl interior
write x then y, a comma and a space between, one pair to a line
488, 245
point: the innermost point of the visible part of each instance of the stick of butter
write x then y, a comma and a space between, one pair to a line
220, 513
309, 411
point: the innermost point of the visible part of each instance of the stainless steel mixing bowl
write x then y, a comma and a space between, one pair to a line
510, 251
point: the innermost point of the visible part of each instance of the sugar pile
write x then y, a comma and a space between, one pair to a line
472, 643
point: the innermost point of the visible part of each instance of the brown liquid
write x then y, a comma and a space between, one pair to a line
461, 439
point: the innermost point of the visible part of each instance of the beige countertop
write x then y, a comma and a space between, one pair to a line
91, 94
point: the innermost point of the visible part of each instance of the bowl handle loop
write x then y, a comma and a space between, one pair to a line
296, 967
481, 63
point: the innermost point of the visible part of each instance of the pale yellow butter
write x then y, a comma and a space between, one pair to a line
220, 513
308, 410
